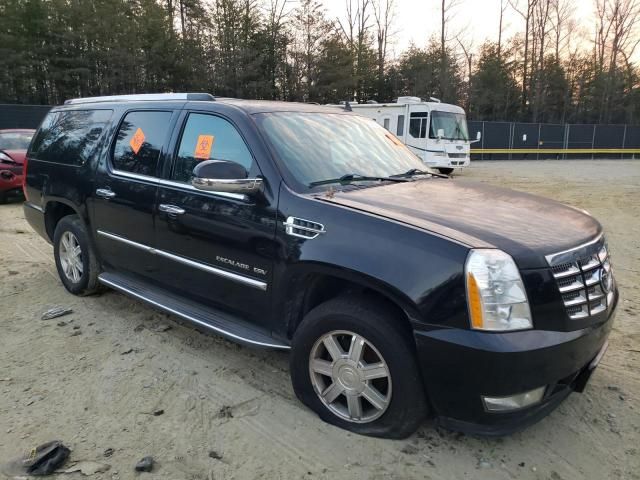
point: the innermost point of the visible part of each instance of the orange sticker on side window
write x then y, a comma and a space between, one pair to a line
204, 146
136, 141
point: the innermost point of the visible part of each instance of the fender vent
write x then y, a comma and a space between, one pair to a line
298, 227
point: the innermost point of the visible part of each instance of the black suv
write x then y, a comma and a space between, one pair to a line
400, 292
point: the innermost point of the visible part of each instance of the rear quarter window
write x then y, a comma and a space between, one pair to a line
69, 137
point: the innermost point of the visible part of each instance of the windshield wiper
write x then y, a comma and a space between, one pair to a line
414, 172
356, 177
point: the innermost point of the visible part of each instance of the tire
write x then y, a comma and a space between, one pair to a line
3, 198
385, 339
81, 278
446, 171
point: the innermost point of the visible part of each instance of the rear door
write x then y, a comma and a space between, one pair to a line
217, 248
125, 191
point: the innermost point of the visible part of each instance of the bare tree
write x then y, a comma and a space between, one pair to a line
384, 13
527, 14
356, 31
562, 23
503, 8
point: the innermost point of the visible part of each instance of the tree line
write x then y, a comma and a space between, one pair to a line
550, 71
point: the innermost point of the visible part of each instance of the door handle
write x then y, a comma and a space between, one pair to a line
171, 209
105, 193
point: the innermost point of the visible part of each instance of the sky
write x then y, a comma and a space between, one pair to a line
417, 20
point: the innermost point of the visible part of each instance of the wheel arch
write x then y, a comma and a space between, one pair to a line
57, 208
309, 285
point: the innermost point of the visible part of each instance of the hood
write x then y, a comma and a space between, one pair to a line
16, 155
525, 226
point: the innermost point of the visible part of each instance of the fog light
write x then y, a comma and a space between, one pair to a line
513, 402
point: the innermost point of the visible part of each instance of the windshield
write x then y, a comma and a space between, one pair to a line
318, 146
453, 124
15, 140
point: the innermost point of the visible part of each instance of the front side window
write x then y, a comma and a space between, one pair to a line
208, 137
313, 147
418, 124
454, 126
69, 137
139, 142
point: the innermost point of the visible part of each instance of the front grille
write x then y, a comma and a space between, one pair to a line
582, 283
457, 155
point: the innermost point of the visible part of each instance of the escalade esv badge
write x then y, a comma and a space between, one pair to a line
484, 316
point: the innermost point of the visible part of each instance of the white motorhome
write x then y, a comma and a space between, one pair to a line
436, 132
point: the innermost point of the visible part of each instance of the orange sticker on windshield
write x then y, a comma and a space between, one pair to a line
204, 146
137, 140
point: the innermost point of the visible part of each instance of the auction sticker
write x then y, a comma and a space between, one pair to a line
204, 146
137, 140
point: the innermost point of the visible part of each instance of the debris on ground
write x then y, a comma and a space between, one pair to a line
76, 333
127, 352
145, 465
157, 413
161, 327
215, 455
42, 460
225, 412
108, 452
88, 468
56, 312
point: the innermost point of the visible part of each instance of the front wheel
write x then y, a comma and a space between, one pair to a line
446, 171
354, 365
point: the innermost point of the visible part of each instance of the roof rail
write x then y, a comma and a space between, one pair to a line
143, 97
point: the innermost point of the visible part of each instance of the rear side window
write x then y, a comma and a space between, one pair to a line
69, 137
139, 142
400, 130
207, 137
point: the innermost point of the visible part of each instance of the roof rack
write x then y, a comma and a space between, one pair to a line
143, 97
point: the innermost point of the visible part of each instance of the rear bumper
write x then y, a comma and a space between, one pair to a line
461, 366
35, 217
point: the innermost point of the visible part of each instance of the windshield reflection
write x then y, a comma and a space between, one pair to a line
319, 146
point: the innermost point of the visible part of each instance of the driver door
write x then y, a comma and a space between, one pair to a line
214, 246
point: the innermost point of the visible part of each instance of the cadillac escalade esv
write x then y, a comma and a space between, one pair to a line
400, 292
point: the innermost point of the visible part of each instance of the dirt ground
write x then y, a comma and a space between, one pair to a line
94, 378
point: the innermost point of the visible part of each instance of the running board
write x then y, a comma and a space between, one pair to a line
222, 323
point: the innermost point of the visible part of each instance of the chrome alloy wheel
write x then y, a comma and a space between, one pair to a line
70, 257
350, 376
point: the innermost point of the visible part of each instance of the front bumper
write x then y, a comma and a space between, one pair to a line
461, 366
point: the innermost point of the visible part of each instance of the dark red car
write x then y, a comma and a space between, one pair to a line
13, 148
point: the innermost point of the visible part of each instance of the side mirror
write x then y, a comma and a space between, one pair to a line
224, 176
479, 136
440, 133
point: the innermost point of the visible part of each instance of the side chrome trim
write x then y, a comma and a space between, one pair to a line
189, 317
34, 206
260, 285
179, 185
553, 256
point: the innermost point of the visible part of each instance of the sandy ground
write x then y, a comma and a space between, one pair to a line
94, 378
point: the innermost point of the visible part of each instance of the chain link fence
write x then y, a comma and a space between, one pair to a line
543, 141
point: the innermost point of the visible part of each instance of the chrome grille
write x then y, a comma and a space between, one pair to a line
582, 281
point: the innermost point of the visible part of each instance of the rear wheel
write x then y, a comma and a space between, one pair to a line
446, 171
355, 366
75, 259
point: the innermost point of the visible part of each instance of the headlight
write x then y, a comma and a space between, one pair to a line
495, 293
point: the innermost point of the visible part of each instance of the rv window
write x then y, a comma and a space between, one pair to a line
386, 123
418, 124
400, 130
419, 115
